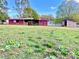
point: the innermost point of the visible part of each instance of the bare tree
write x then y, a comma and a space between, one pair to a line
67, 8
21, 5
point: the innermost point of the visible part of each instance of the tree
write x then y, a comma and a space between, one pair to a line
75, 17
3, 16
57, 20
3, 10
30, 13
48, 17
67, 8
20, 6
3, 5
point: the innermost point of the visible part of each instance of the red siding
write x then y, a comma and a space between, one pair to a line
43, 22
14, 22
11, 22
22, 22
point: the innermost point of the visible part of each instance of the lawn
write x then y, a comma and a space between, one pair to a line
23, 42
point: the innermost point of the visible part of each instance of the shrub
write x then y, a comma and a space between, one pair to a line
58, 20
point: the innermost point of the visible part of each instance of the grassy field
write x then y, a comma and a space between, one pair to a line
22, 42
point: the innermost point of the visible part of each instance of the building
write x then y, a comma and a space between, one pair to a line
69, 23
28, 21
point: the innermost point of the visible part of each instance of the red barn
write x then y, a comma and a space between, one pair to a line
28, 21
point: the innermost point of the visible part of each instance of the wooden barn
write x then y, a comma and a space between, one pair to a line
28, 21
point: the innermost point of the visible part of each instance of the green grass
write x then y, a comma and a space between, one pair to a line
22, 42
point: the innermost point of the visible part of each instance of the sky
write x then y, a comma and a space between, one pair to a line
43, 7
